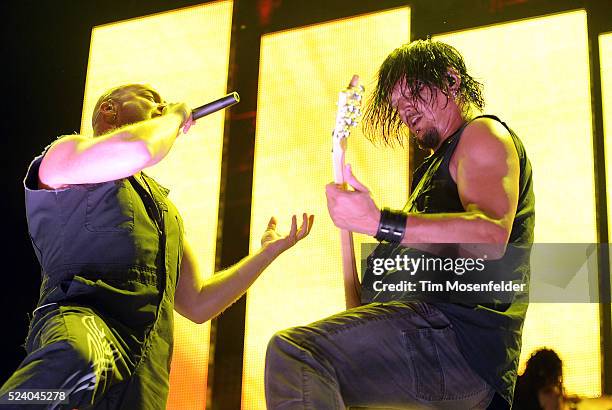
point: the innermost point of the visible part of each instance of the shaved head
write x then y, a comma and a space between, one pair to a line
112, 93
115, 94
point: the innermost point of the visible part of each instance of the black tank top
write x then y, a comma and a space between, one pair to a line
488, 327
434, 190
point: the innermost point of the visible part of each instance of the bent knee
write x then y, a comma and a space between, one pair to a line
293, 336
286, 342
279, 340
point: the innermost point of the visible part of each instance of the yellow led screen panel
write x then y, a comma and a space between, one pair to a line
605, 60
301, 73
183, 54
530, 85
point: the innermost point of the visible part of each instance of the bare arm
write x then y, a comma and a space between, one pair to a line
487, 175
200, 300
78, 159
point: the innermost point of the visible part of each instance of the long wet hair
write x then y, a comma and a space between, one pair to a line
421, 63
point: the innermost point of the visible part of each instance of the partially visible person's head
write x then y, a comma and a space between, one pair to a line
540, 387
419, 84
544, 369
123, 105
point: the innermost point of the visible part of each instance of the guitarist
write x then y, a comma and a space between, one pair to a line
409, 349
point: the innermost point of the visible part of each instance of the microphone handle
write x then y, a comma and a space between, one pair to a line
221, 103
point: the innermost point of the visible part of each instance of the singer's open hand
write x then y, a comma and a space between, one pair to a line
276, 244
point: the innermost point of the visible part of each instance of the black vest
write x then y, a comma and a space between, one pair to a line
115, 247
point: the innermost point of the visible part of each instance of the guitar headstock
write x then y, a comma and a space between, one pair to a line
349, 109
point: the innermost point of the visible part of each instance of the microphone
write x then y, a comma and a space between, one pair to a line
221, 103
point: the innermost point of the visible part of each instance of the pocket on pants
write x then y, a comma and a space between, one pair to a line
440, 370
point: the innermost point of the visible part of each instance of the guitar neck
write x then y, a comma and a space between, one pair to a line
347, 117
338, 162
352, 287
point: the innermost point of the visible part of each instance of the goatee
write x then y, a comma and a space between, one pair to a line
430, 140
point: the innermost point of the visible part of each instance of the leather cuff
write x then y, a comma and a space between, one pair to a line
392, 226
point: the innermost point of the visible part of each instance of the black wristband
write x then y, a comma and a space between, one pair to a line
392, 226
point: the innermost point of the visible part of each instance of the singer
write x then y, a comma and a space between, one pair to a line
115, 262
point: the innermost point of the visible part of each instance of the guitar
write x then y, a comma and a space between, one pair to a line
347, 117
